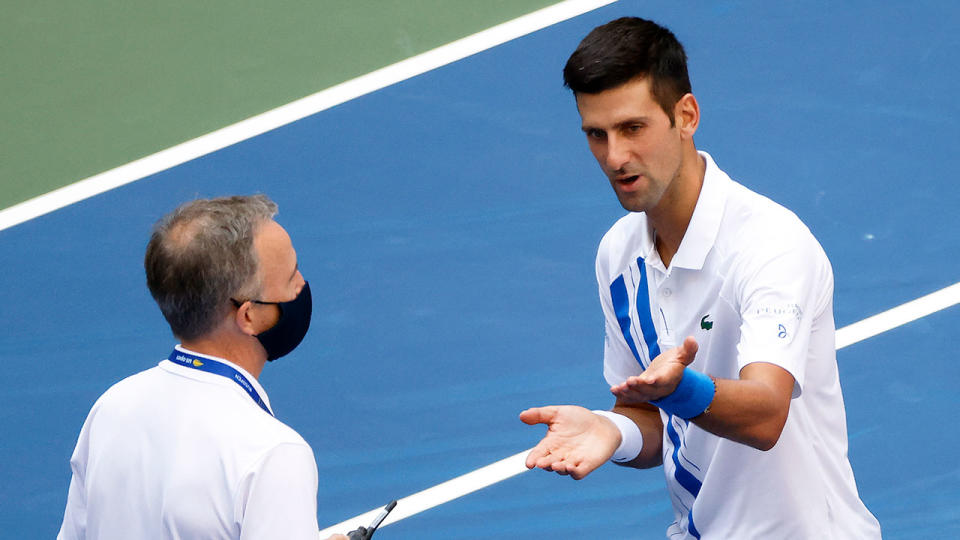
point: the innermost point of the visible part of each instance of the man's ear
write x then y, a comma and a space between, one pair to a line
243, 318
687, 115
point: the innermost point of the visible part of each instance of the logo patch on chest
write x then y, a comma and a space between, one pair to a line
705, 324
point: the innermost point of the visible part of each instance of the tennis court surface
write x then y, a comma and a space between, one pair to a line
447, 223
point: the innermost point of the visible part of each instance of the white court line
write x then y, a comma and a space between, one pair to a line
514, 465
438, 494
898, 316
293, 111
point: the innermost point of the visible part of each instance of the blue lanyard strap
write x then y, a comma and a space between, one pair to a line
209, 365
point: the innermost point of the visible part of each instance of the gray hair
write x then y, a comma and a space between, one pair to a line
201, 255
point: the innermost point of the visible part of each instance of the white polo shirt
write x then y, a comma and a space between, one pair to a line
177, 453
751, 284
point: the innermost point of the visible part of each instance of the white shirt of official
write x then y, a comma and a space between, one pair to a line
751, 284
177, 453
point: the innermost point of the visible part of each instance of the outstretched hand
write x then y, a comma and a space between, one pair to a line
577, 441
660, 378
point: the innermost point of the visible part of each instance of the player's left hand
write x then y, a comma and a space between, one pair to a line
660, 379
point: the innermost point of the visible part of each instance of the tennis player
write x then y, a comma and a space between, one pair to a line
718, 303
190, 448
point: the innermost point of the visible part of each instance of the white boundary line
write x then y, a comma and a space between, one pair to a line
898, 316
293, 111
515, 464
438, 494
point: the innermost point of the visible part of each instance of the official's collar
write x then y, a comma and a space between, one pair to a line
209, 377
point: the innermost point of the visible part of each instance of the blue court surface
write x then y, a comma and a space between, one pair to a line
448, 226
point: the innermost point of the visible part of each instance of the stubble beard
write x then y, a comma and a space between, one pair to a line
641, 200
647, 199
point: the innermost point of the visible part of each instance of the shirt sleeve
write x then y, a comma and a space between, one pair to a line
279, 496
782, 294
74, 526
75, 515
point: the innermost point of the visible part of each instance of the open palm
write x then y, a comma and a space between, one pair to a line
577, 441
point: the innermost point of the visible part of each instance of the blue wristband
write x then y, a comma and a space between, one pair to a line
692, 396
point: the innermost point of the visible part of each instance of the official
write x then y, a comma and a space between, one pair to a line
190, 448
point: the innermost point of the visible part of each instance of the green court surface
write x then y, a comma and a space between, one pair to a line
89, 86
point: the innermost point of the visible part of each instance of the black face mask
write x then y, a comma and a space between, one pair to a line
291, 327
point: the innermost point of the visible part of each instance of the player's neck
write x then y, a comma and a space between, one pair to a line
671, 217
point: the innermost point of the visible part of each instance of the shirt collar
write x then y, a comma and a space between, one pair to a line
200, 375
648, 244
704, 225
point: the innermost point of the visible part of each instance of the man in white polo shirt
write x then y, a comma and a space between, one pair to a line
719, 320
190, 448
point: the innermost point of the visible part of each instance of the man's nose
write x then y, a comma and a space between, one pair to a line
300, 281
618, 153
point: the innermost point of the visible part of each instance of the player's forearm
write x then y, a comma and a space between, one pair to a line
647, 418
746, 411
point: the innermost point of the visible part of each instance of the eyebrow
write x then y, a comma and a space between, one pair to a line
621, 124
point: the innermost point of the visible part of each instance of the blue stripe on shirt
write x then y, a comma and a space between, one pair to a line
621, 306
643, 311
691, 527
683, 476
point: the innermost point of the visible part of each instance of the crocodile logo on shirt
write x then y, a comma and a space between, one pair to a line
705, 324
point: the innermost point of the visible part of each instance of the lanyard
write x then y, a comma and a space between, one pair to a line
210, 365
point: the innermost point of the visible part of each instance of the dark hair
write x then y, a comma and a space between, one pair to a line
629, 47
200, 255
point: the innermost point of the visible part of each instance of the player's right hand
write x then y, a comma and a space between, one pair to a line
577, 441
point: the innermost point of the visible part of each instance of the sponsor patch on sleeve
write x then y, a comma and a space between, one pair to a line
780, 320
